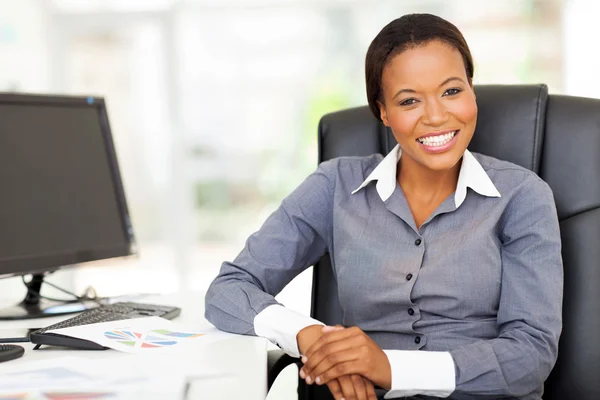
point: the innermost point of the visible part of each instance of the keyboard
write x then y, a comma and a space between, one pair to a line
104, 313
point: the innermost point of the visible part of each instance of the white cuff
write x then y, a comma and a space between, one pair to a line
414, 372
281, 326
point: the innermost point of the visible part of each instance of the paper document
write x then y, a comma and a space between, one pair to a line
142, 335
79, 378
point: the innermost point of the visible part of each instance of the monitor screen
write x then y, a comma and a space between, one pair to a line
61, 196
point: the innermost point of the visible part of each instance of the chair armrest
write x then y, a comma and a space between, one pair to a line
277, 360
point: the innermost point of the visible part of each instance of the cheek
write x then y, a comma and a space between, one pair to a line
466, 111
404, 123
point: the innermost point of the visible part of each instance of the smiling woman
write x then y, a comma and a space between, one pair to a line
434, 111
433, 121
447, 262
423, 91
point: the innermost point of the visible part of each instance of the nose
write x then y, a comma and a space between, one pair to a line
435, 114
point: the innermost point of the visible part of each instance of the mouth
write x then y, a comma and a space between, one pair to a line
439, 142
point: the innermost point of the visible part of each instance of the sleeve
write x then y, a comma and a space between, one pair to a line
281, 326
293, 238
519, 360
429, 373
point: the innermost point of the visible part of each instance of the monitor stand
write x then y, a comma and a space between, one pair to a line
34, 306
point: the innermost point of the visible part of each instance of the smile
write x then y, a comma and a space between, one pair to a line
438, 140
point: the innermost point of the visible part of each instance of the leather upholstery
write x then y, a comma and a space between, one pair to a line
571, 165
557, 137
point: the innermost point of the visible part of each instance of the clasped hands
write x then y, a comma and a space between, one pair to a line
348, 361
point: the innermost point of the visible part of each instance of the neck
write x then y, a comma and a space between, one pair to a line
425, 183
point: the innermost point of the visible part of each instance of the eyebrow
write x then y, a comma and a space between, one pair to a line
452, 78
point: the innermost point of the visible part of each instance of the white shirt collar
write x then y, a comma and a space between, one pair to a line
471, 175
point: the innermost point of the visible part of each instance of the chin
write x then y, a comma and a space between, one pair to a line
441, 162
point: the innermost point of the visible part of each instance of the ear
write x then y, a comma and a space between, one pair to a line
383, 114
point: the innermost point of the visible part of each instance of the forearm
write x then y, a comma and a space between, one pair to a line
515, 364
282, 327
294, 237
233, 301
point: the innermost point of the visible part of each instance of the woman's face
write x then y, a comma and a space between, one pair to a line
429, 104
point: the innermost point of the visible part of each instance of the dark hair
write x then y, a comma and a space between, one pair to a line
409, 31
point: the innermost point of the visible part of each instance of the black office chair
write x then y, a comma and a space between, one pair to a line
558, 137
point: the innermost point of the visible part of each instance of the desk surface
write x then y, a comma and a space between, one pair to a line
228, 369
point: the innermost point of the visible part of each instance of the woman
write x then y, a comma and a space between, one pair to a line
447, 262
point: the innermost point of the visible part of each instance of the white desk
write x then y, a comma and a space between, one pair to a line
229, 369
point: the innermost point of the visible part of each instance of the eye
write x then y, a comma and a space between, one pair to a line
408, 102
452, 92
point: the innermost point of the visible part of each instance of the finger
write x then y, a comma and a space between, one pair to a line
332, 328
359, 387
339, 370
319, 363
370, 390
327, 351
325, 330
336, 389
332, 337
347, 387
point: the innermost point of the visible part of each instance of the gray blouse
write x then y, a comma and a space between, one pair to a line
482, 278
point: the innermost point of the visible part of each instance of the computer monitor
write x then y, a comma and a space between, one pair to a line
61, 197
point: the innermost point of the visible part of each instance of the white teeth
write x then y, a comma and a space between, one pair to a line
439, 140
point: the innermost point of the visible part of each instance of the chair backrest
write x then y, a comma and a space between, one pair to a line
558, 137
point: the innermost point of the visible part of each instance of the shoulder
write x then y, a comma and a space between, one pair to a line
349, 169
512, 180
528, 200
333, 176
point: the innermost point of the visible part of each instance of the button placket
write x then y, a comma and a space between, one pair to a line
418, 243
414, 311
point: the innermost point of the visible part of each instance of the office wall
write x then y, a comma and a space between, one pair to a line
214, 104
24, 66
581, 62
